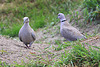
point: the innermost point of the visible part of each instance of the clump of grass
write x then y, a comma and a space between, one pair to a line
93, 9
12, 31
90, 13
4, 64
30, 64
80, 56
62, 45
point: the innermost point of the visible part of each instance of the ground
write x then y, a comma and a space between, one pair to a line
12, 50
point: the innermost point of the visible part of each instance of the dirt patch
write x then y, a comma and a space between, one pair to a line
12, 51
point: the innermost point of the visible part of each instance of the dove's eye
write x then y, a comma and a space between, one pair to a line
58, 15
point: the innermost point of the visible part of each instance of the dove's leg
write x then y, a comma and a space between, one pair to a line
27, 46
30, 44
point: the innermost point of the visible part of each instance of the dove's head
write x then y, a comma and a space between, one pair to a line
61, 17
26, 20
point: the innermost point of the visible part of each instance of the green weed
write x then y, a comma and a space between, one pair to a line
80, 56
93, 9
12, 31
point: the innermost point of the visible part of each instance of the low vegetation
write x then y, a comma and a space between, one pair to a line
43, 13
93, 9
80, 56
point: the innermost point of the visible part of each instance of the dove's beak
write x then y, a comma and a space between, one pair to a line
24, 21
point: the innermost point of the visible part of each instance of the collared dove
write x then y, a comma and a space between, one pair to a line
26, 33
67, 31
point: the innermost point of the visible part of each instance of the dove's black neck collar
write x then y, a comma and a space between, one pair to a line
63, 20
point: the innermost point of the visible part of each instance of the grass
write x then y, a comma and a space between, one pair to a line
91, 10
41, 13
80, 56
31, 64
88, 13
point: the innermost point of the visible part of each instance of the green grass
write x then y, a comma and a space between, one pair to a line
89, 13
40, 12
80, 56
92, 10
30, 64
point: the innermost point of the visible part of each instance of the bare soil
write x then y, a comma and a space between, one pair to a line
12, 51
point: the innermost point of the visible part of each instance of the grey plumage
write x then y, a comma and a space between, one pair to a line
26, 33
67, 31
